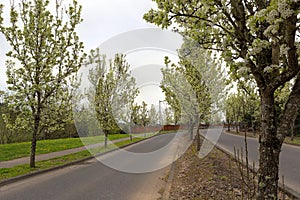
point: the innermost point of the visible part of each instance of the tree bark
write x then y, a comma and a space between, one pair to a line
269, 149
198, 137
228, 127
33, 140
191, 128
292, 132
237, 127
33, 149
105, 138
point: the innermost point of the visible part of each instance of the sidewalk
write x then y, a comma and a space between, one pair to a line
40, 157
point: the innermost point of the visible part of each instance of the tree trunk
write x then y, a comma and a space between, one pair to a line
292, 132
269, 149
198, 137
33, 149
191, 128
33, 140
105, 138
252, 126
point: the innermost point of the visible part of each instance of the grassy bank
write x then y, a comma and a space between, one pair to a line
19, 150
287, 140
6, 173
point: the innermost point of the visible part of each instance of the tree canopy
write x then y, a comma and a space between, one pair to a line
112, 91
259, 39
45, 54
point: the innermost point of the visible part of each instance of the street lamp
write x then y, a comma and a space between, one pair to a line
160, 113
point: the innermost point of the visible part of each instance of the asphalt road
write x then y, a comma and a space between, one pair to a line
93, 180
289, 157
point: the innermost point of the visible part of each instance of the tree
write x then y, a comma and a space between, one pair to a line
203, 98
144, 115
207, 83
169, 118
112, 90
5, 134
260, 38
135, 114
140, 114
48, 52
233, 111
180, 95
170, 96
206, 80
153, 116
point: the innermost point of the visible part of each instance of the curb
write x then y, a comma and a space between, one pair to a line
169, 183
32, 174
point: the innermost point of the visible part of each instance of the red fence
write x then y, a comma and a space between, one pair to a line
147, 129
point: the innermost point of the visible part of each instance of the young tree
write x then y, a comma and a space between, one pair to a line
171, 97
207, 83
113, 89
153, 116
233, 110
260, 38
169, 118
135, 114
180, 95
48, 51
140, 115
144, 115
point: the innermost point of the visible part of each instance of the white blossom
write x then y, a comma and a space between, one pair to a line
270, 68
284, 49
283, 8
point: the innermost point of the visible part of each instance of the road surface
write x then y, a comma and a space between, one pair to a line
93, 180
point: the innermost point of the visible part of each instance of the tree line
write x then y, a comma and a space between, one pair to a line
257, 40
242, 110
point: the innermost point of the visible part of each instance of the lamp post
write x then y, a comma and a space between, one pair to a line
160, 113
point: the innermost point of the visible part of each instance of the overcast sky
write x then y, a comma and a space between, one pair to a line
103, 19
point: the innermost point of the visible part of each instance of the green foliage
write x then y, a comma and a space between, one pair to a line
196, 81
169, 118
144, 115
140, 114
179, 94
134, 116
259, 41
153, 116
46, 53
112, 91
242, 107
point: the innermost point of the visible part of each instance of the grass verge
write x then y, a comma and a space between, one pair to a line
296, 141
19, 150
6, 173
287, 140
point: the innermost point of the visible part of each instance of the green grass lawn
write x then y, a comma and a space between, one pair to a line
6, 173
19, 150
296, 140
